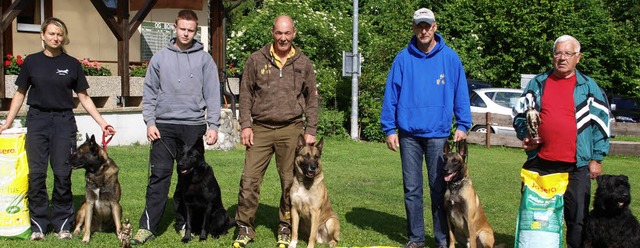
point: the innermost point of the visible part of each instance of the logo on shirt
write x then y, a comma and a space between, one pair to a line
440, 80
266, 69
62, 72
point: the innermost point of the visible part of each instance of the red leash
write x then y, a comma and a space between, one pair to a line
106, 141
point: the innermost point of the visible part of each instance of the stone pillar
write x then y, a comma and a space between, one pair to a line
228, 133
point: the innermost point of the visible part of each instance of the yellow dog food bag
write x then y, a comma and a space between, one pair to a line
14, 174
540, 217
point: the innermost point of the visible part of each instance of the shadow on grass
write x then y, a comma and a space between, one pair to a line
394, 227
167, 220
506, 239
266, 216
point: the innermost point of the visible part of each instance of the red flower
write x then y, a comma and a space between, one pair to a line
19, 57
19, 61
7, 63
9, 56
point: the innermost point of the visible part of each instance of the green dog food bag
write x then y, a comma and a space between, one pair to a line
540, 216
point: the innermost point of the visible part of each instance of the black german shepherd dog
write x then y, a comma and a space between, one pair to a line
203, 209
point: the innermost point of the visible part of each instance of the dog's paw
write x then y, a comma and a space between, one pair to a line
186, 240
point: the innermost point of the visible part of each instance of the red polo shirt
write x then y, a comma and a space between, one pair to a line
558, 116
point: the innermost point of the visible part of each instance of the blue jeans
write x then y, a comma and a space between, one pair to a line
412, 150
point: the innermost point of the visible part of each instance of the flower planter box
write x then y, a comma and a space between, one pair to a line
104, 90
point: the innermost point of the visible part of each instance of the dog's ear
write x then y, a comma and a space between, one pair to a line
625, 178
199, 145
87, 137
600, 179
93, 145
319, 145
446, 148
301, 142
462, 149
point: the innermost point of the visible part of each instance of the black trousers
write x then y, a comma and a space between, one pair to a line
162, 157
577, 198
51, 137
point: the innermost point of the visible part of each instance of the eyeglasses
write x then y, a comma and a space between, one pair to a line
560, 54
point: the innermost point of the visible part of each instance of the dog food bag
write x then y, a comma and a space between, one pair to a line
14, 173
540, 216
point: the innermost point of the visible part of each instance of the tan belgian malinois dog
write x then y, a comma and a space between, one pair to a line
467, 222
101, 210
310, 205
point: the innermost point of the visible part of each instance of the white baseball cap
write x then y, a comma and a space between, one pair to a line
424, 15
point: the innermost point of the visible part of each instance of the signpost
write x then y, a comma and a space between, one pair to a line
351, 67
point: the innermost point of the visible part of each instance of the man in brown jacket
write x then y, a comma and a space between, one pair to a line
278, 102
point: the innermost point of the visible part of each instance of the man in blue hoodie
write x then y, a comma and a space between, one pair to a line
180, 104
425, 88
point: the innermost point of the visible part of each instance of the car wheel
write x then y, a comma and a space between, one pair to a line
480, 129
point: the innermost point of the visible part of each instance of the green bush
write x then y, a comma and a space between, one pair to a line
13, 64
373, 132
370, 108
331, 123
138, 70
94, 68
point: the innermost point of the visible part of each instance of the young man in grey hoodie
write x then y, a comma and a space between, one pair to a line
180, 104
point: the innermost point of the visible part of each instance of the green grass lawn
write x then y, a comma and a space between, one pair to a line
365, 187
626, 138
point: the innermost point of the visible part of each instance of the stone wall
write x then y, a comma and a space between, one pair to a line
105, 91
228, 133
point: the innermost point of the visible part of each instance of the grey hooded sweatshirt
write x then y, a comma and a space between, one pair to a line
180, 86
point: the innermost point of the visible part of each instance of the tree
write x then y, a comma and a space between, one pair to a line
496, 41
499, 40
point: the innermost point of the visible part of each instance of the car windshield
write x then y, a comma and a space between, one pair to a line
476, 100
506, 99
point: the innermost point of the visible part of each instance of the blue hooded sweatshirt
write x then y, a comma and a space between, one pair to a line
424, 92
182, 87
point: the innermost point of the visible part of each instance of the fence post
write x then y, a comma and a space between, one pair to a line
488, 139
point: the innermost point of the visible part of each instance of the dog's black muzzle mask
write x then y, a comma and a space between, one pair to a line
309, 168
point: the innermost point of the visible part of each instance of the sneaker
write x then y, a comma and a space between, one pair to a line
413, 244
63, 234
142, 236
241, 241
35, 236
284, 237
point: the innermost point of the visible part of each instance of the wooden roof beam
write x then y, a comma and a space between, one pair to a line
140, 15
10, 14
111, 22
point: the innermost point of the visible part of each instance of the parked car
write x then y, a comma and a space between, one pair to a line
495, 101
625, 108
475, 84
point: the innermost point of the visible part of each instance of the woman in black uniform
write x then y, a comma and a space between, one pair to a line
50, 76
